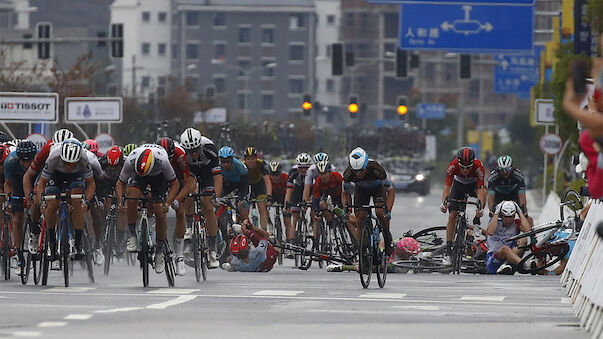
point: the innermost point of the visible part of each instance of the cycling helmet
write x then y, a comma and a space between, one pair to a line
358, 159
168, 145
129, 148
71, 150
226, 152
62, 135
86, 146
275, 167
191, 139
505, 161
238, 244
323, 166
3, 138
250, 152
145, 162
93, 145
26, 150
303, 159
508, 209
114, 155
320, 157
4, 152
408, 246
466, 156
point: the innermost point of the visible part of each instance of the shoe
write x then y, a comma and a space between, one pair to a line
213, 260
447, 261
79, 253
505, 269
159, 262
99, 257
180, 270
227, 267
55, 265
18, 269
188, 234
14, 260
132, 244
530, 265
334, 268
34, 241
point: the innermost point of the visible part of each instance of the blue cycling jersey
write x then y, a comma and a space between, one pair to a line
13, 171
235, 174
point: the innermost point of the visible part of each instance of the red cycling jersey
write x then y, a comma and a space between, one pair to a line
41, 157
279, 188
179, 163
333, 187
475, 175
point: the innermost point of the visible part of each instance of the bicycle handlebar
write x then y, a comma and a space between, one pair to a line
63, 196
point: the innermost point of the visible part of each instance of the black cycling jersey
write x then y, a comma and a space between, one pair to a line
111, 172
374, 176
506, 188
295, 178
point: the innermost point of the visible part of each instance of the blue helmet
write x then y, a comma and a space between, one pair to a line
318, 157
226, 152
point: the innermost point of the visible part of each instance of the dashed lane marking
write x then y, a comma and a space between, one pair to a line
78, 317
52, 324
178, 291
483, 297
566, 300
69, 289
121, 309
278, 293
418, 307
383, 295
180, 300
27, 334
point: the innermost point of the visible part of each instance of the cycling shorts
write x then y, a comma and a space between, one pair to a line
258, 191
63, 182
205, 179
492, 262
16, 202
362, 196
458, 192
157, 182
296, 198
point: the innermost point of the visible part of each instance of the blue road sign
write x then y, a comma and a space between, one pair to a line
516, 73
431, 111
469, 2
466, 28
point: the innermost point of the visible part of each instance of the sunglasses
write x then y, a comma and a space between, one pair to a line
226, 161
466, 167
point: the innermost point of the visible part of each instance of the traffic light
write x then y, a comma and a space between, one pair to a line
465, 70
337, 58
402, 109
307, 105
401, 63
44, 33
414, 60
353, 107
117, 40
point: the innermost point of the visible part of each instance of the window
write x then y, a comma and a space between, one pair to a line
162, 17
267, 71
390, 25
146, 81
146, 48
146, 16
474, 88
220, 84
297, 21
268, 35
243, 67
244, 34
296, 86
192, 51
364, 20
330, 85
192, 85
161, 49
192, 19
219, 20
330, 19
175, 50
161, 81
349, 19
241, 100
219, 51
296, 52
267, 101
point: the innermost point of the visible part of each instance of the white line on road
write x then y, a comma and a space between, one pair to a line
78, 317
69, 289
180, 300
278, 293
483, 297
566, 300
52, 324
27, 334
383, 295
178, 291
121, 309
418, 307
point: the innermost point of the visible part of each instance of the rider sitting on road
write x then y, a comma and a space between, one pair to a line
502, 226
260, 258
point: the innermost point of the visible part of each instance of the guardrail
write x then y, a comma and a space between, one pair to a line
583, 275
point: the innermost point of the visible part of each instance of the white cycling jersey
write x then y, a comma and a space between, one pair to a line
162, 163
497, 240
313, 173
96, 166
54, 163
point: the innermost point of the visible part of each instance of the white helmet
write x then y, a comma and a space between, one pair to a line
508, 209
71, 150
62, 135
323, 166
505, 161
358, 159
303, 159
190, 139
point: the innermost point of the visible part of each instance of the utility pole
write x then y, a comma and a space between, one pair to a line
134, 75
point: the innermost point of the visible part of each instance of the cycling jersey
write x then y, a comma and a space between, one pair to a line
261, 258
279, 188
162, 164
497, 240
55, 164
208, 158
13, 171
333, 187
111, 172
506, 188
475, 175
295, 177
374, 176
257, 173
179, 162
96, 167
41, 157
313, 173
236, 173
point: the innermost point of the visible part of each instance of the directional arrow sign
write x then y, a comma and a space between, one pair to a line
466, 28
516, 73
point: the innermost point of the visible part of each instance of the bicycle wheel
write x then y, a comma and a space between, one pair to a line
550, 256
279, 237
143, 255
45, 256
37, 259
380, 258
65, 250
170, 271
366, 256
25, 255
432, 238
204, 253
88, 257
573, 196
6, 250
197, 252
108, 243
459, 246
422, 265
320, 241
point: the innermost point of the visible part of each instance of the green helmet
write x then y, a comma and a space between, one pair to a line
129, 148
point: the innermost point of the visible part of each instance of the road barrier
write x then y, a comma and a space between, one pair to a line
583, 275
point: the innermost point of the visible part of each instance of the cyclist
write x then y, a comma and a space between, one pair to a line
370, 181
202, 159
312, 174
259, 179
235, 177
464, 175
4, 153
148, 165
295, 188
502, 226
278, 181
261, 258
94, 209
327, 192
112, 163
506, 183
177, 157
129, 148
14, 168
67, 169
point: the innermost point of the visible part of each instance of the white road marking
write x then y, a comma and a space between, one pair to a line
566, 300
383, 295
121, 309
178, 291
52, 324
418, 307
483, 297
27, 334
180, 300
69, 289
78, 317
278, 293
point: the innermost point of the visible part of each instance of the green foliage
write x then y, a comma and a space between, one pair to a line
594, 15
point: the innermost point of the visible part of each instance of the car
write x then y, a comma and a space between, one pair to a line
410, 175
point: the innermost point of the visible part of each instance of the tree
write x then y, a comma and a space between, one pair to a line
594, 15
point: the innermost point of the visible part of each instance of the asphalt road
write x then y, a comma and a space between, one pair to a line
289, 303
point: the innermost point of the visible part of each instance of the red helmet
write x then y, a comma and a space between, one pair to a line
93, 145
238, 244
408, 246
466, 156
4, 152
114, 155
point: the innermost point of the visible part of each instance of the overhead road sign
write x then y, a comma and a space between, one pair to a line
29, 107
516, 73
93, 110
431, 111
466, 28
457, 2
